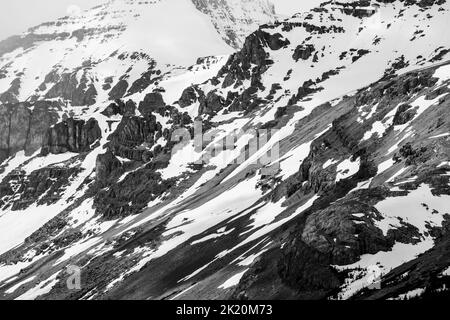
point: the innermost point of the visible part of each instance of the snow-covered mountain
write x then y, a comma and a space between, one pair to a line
137, 35
335, 183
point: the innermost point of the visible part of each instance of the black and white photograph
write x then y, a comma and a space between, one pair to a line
225, 151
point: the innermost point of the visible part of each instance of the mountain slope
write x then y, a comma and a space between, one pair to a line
133, 34
356, 96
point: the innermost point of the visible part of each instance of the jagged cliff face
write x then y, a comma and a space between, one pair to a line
357, 93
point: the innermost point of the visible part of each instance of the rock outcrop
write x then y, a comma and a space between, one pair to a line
105, 165
135, 137
189, 96
120, 108
345, 231
239, 65
82, 93
303, 52
46, 184
227, 15
132, 194
152, 102
403, 115
119, 90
